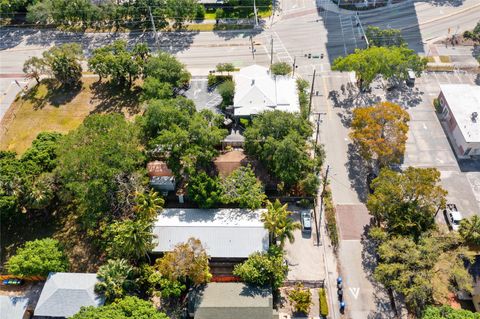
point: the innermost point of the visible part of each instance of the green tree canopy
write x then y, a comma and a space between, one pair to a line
126, 308
38, 258
447, 312
90, 159
380, 132
123, 66
423, 272
384, 37
167, 69
34, 68
204, 190
227, 92
131, 239
262, 269
279, 140
301, 298
281, 68
115, 279
389, 62
473, 35
407, 202
63, 62
243, 188
470, 230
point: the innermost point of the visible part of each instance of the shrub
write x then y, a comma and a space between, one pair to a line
301, 298
437, 105
322, 299
200, 12
331, 218
217, 79
281, 68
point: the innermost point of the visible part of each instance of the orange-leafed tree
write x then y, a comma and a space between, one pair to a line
380, 132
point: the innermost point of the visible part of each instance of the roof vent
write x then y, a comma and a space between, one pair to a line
253, 82
474, 117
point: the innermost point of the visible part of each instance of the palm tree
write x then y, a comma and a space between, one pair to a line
148, 205
114, 279
470, 230
278, 223
133, 239
286, 228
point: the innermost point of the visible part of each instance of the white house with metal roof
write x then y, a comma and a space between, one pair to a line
257, 90
228, 233
65, 293
461, 112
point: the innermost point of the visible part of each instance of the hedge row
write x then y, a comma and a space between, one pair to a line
331, 218
322, 299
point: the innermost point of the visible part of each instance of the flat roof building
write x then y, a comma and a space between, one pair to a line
257, 90
228, 233
460, 106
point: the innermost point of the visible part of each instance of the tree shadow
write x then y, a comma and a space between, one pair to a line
110, 98
11, 37
49, 91
405, 96
232, 34
357, 172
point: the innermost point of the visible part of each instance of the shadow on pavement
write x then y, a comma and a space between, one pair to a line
357, 172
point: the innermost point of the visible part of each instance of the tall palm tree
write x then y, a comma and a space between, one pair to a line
133, 239
148, 205
114, 279
470, 230
278, 223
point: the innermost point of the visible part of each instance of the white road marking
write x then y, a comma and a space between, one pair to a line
354, 291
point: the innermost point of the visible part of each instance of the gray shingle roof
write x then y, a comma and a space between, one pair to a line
65, 293
232, 301
225, 233
12, 307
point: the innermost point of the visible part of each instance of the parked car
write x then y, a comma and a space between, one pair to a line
306, 221
453, 216
410, 78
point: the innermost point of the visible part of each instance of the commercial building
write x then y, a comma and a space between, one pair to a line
460, 107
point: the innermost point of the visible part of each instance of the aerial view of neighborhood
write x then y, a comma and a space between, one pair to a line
240, 159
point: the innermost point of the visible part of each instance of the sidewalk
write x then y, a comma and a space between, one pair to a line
9, 95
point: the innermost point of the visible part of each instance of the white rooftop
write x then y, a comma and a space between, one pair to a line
65, 293
12, 307
257, 91
225, 233
463, 100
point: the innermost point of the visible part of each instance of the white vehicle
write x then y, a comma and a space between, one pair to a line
454, 217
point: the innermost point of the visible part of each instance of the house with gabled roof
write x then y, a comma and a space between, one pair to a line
257, 90
65, 293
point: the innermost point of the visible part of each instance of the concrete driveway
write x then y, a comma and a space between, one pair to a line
304, 257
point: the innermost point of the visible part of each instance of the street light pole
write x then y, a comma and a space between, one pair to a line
294, 65
153, 28
271, 51
311, 94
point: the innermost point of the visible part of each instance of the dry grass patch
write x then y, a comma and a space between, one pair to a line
445, 59
46, 107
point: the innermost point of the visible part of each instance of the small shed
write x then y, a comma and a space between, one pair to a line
161, 177
231, 300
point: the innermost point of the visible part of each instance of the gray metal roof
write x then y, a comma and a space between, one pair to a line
13, 307
65, 293
232, 301
225, 233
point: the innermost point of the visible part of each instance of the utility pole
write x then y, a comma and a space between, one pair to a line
153, 28
359, 24
317, 228
294, 65
318, 130
253, 48
325, 180
311, 94
255, 12
271, 51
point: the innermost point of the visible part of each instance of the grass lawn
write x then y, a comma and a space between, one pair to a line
46, 108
